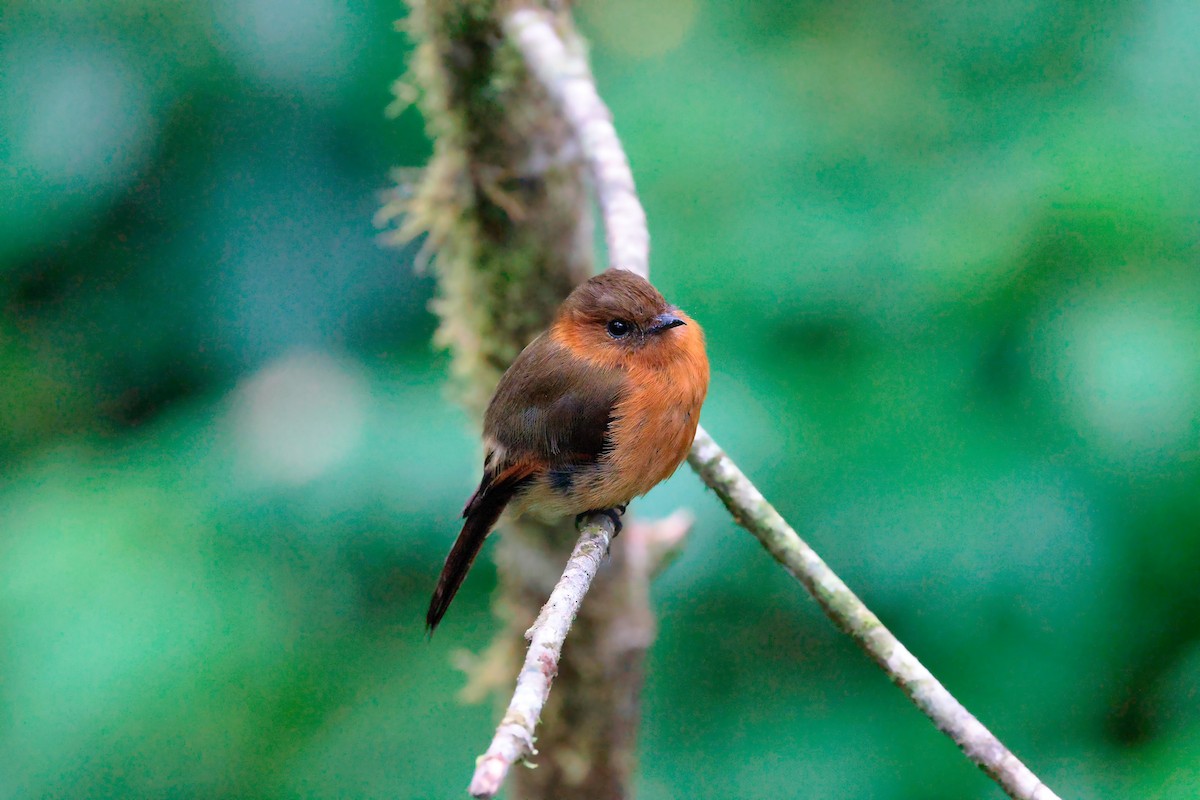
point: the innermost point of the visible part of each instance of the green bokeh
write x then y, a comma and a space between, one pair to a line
946, 256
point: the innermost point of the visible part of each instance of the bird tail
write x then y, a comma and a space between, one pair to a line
482, 512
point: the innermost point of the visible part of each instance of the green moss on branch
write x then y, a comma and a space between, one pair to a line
502, 203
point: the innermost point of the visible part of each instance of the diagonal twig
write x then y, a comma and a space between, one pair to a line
651, 545
514, 737
752, 511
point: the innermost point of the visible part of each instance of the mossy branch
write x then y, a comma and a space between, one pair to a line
503, 201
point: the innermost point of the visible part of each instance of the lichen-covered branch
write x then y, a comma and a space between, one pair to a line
514, 737
565, 73
649, 546
755, 514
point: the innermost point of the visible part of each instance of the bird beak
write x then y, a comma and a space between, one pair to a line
664, 322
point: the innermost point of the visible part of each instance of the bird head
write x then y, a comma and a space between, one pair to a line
617, 316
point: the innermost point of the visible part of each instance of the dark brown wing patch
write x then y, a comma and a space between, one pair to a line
551, 408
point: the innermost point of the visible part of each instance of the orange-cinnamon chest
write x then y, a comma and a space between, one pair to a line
652, 428
654, 425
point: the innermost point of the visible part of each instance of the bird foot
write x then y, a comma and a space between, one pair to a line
612, 513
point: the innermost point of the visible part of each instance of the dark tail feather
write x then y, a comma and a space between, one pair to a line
482, 512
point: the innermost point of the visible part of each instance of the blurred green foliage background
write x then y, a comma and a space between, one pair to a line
946, 254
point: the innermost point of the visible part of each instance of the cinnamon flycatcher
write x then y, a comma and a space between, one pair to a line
594, 412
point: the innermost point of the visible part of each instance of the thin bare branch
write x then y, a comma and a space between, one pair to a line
514, 737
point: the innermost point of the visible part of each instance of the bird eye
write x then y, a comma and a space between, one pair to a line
618, 328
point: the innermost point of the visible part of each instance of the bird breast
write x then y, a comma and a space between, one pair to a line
655, 424
651, 430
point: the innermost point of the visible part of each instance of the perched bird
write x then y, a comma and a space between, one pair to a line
594, 412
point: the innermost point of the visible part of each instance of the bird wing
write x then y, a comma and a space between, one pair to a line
549, 415
551, 407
